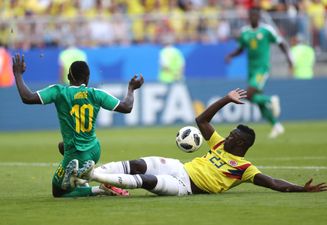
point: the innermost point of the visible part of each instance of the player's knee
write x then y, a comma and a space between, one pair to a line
57, 192
149, 182
137, 166
61, 148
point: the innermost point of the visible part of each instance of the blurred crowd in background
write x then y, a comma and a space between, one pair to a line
40, 23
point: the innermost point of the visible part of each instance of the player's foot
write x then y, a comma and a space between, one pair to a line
70, 174
86, 170
277, 130
275, 106
112, 190
81, 182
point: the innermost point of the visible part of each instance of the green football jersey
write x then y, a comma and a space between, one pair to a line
77, 110
257, 43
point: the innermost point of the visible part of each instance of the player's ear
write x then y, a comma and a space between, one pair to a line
69, 77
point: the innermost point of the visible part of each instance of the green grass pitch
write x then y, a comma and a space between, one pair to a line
27, 163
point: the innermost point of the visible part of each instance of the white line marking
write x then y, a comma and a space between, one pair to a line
33, 164
44, 164
290, 158
293, 167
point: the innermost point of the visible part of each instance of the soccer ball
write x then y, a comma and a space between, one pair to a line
189, 139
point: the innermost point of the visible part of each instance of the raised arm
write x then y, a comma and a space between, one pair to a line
285, 186
126, 105
203, 120
19, 67
287, 53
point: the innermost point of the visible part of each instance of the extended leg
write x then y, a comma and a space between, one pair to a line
160, 184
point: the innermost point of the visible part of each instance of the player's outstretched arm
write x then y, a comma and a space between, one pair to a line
285, 186
233, 54
285, 49
126, 105
19, 67
203, 120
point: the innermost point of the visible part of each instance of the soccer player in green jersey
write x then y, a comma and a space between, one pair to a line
256, 39
223, 167
77, 108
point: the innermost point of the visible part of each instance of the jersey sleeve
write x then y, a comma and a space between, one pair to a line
249, 173
49, 94
106, 100
273, 35
216, 141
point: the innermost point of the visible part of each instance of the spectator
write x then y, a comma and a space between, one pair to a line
66, 58
303, 58
171, 62
316, 12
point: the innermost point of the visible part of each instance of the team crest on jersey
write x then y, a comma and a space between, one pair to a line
232, 163
259, 36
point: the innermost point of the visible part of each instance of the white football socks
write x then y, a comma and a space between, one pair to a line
122, 167
119, 180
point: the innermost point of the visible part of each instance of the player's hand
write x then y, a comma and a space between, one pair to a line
135, 83
236, 95
18, 65
315, 188
228, 58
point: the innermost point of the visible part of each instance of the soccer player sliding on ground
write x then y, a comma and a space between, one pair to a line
222, 168
77, 108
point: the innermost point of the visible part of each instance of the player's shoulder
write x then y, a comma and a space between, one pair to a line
245, 29
100, 92
56, 86
268, 28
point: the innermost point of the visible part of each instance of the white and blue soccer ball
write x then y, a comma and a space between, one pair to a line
189, 139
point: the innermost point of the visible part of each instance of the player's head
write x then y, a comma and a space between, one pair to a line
240, 139
254, 16
79, 73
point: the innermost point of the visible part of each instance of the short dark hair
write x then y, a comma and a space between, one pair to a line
250, 134
255, 9
79, 70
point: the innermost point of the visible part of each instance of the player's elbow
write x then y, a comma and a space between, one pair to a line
31, 98
200, 121
124, 108
26, 100
127, 109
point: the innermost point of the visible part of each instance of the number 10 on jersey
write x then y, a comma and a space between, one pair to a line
79, 113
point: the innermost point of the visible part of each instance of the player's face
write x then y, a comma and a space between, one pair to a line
234, 139
254, 18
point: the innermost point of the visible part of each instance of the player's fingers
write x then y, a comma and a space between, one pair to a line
309, 182
141, 78
322, 185
23, 59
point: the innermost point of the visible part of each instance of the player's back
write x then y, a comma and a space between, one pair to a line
77, 110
